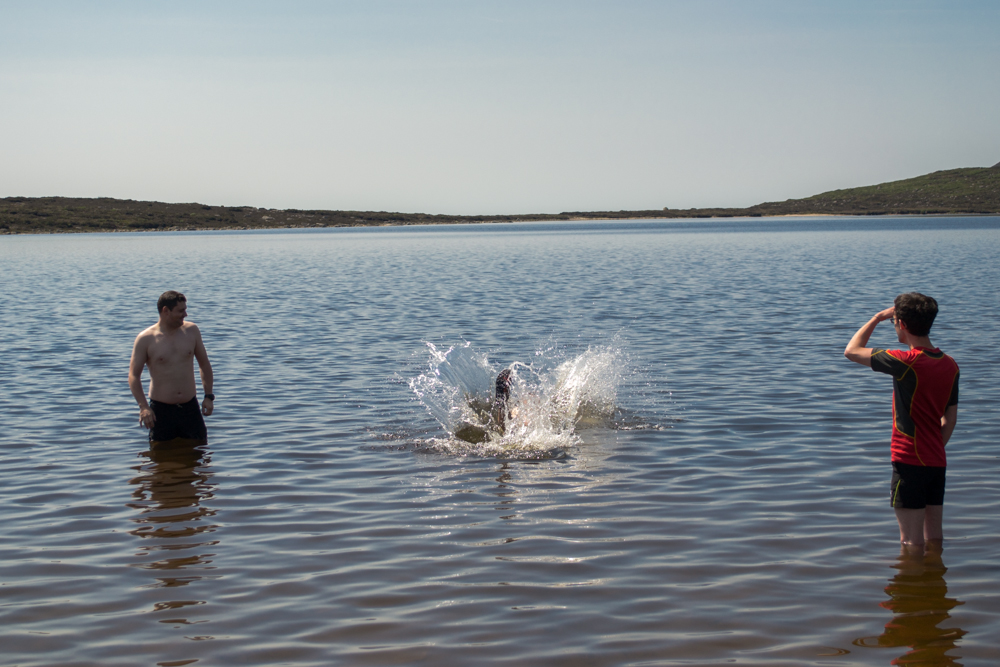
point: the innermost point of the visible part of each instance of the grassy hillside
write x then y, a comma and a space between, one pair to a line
64, 214
957, 191
975, 190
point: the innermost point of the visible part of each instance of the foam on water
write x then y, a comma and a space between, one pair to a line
551, 397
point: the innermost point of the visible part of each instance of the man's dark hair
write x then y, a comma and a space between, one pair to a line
503, 385
170, 299
917, 310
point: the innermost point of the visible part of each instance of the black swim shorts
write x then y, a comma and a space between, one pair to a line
177, 420
916, 487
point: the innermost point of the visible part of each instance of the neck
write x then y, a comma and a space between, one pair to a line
167, 326
919, 341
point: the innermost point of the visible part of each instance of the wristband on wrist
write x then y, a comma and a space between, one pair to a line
209, 397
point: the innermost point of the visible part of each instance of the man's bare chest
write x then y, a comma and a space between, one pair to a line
170, 350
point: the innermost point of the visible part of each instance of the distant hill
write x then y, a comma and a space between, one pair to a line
975, 190
956, 191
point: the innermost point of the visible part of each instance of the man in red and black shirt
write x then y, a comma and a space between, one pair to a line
924, 412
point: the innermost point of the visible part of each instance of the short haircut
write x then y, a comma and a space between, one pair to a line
917, 310
170, 299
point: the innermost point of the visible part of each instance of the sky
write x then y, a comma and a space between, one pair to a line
491, 107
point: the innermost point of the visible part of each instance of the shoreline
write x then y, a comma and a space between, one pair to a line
971, 191
429, 223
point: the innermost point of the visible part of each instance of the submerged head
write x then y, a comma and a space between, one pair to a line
500, 407
503, 385
917, 311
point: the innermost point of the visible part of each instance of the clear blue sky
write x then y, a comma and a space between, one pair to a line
491, 107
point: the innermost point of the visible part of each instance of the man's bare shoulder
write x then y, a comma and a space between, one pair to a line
148, 333
190, 328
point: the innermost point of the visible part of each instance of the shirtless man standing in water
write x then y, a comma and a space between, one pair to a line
167, 348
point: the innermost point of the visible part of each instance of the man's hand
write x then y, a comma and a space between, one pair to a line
146, 417
206, 406
886, 314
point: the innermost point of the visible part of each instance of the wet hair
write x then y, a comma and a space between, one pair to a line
169, 299
917, 311
499, 411
503, 385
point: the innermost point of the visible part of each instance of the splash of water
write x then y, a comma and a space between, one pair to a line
551, 398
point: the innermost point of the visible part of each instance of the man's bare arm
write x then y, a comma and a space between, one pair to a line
856, 350
948, 422
207, 378
136, 364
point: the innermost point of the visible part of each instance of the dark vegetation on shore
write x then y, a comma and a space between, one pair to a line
956, 191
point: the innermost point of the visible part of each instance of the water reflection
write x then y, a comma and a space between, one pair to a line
174, 523
918, 599
506, 492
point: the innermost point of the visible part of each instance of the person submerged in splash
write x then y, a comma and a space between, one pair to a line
494, 420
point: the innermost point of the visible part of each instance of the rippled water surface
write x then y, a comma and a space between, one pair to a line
727, 502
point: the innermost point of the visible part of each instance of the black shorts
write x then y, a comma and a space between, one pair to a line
177, 420
916, 487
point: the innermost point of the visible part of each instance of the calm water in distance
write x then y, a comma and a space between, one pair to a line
733, 511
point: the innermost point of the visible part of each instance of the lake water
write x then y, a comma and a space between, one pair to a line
725, 501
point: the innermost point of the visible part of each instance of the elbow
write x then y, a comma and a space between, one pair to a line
858, 355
